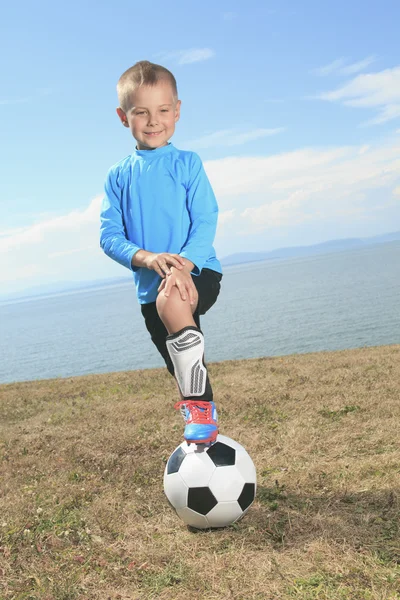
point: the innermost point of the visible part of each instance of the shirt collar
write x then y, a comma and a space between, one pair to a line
151, 154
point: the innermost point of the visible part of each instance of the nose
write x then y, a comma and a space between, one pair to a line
152, 120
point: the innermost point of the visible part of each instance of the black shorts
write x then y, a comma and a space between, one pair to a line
208, 285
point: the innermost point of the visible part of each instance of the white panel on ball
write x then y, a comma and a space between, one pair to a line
197, 469
190, 517
226, 483
224, 514
246, 467
176, 491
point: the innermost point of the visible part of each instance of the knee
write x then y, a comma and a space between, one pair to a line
173, 303
163, 301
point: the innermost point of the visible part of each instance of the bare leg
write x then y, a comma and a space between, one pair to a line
174, 312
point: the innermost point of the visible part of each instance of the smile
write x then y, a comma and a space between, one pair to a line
153, 133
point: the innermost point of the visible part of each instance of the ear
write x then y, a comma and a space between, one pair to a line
177, 111
122, 117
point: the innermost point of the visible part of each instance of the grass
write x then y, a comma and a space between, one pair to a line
82, 510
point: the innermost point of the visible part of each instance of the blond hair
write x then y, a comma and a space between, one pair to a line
142, 73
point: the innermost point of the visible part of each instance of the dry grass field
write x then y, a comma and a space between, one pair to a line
82, 509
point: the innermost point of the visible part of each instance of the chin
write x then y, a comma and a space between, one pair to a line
152, 143
157, 145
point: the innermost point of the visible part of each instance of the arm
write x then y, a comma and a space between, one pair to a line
203, 211
112, 230
160, 263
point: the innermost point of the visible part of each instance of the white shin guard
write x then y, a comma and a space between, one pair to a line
186, 349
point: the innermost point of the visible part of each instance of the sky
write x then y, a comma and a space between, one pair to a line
294, 108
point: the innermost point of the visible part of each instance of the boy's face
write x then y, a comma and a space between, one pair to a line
152, 116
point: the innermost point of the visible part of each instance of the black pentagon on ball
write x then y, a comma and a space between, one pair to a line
247, 495
175, 461
222, 455
201, 500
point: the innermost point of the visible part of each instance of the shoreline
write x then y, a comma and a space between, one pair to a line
212, 365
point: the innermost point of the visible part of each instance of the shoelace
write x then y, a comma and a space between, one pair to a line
201, 412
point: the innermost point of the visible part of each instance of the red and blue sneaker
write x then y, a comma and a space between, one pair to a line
201, 421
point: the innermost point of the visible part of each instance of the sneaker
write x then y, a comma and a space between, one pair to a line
201, 421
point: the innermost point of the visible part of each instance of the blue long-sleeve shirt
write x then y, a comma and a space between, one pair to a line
160, 201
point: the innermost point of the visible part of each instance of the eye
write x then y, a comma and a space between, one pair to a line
140, 112
164, 110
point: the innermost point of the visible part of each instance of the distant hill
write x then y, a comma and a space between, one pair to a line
299, 251
59, 287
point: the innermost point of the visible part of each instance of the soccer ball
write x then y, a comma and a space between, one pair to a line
210, 486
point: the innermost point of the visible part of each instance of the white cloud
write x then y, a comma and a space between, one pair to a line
357, 66
364, 148
13, 231
60, 253
339, 186
379, 91
244, 176
330, 68
396, 191
278, 213
186, 57
75, 222
339, 67
55, 249
226, 215
231, 137
195, 55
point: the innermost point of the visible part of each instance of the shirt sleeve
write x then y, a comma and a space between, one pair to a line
113, 238
203, 210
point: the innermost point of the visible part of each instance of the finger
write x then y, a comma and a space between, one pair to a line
157, 269
192, 294
182, 290
168, 286
161, 286
164, 267
173, 260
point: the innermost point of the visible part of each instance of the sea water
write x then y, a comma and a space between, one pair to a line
335, 301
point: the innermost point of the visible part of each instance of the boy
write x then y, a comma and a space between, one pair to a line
159, 218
